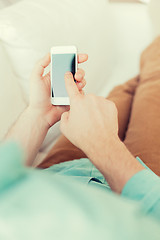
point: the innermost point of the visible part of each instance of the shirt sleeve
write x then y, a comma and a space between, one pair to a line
11, 165
145, 187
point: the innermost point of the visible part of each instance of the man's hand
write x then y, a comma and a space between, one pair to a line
92, 125
33, 124
40, 91
91, 119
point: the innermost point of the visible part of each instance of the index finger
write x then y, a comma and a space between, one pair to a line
71, 86
42, 64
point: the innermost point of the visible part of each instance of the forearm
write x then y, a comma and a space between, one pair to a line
115, 162
29, 131
145, 187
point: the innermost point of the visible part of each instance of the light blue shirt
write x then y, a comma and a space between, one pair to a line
72, 200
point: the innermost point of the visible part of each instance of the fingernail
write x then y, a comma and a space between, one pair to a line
79, 75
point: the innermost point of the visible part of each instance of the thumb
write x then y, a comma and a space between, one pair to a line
41, 65
71, 86
64, 121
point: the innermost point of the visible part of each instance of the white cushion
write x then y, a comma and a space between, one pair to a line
11, 98
132, 32
30, 28
154, 9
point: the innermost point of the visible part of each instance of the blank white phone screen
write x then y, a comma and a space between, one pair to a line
61, 63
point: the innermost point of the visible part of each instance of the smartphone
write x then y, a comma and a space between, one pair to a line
63, 59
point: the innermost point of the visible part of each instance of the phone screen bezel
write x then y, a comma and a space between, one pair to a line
62, 50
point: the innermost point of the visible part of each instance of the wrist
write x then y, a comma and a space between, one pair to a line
29, 132
115, 162
37, 116
102, 149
